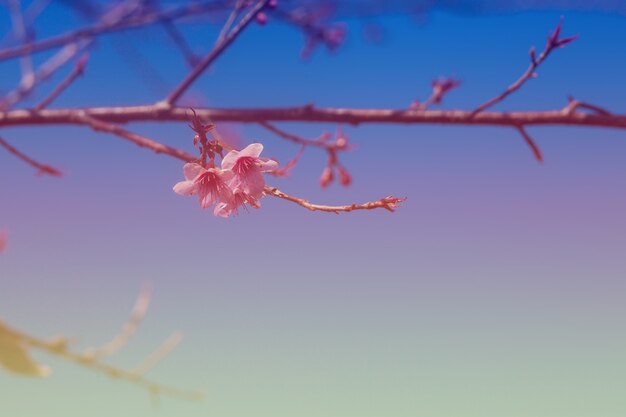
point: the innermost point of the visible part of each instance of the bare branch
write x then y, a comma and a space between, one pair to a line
332, 149
19, 29
330, 35
389, 203
319, 142
159, 354
30, 14
309, 113
179, 40
554, 41
290, 165
44, 72
129, 329
112, 26
77, 71
234, 14
40, 167
214, 54
574, 105
138, 140
531, 143
441, 87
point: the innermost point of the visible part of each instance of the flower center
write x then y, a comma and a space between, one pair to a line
244, 165
208, 182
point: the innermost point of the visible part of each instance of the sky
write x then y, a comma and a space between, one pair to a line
497, 289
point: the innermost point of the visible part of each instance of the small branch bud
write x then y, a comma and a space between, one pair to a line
327, 177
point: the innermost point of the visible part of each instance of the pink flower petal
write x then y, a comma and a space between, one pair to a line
253, 150
267, 165
225, 175
186, 188
254, 184
239, 200
224, 210
207, 200
192, 170
225, 193
228, 162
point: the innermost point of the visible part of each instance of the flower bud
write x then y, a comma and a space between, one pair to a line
344, 177
261, 18
327, 177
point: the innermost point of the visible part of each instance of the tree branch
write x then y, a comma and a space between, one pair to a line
389, 203
309, 113
40, 167
554, 41
129, 328
319, 143
531, 143
43, 73
141, 141
101, 28
214, 54
77, 71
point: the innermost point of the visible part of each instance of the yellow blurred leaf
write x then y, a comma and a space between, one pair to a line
14, 357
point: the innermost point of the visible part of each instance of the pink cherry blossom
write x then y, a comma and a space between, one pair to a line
210, 184
248, 168
240, 199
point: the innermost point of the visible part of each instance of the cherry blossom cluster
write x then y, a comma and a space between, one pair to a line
238, 182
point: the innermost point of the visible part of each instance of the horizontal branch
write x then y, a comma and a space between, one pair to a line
308, 113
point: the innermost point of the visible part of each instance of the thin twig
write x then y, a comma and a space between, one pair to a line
77, 71
389, 203
319, 143
128, 329
531, 143
19, 29
180, 42
43, 73
138, 140
30, 14
441, 87
234, 14
101, 28
214, 54
553, 42
159, 354
40, 167
574, 105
